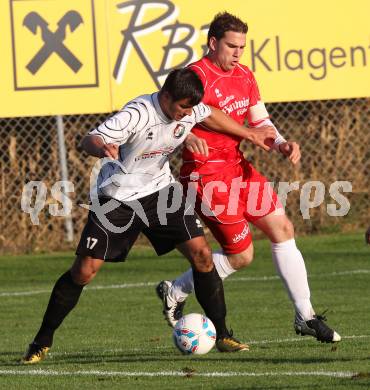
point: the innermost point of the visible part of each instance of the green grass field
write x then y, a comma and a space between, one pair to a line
116, 337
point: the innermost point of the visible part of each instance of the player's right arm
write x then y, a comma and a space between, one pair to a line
104, 141
196, 144
95, 146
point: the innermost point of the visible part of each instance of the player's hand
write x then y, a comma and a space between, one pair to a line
367, 236
196, 145
291, 150
110, 150
263, 136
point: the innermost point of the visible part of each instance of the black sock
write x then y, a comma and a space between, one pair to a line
209, 291
63, 299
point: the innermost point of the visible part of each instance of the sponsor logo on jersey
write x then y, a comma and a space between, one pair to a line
154, 154
149, 135
179, 130
226, 100
242, 235
240, 105
218, 93
199, 224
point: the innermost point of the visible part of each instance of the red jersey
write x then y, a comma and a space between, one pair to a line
234, 92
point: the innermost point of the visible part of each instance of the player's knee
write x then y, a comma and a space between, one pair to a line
243, 259
202, 259
83, 272
287, 229
82, 276
246, 259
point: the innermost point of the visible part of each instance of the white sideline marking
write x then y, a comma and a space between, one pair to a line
151, 284
40, 372
256, 342
275, 277
101, 287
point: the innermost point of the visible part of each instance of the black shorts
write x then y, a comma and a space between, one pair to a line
112, 239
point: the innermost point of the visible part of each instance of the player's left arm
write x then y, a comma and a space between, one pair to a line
289, 149
367, 235
258, 117
222, 123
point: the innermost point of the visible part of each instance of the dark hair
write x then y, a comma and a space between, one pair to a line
184, 84
223, 22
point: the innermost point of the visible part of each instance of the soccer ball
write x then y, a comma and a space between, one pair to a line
194, 334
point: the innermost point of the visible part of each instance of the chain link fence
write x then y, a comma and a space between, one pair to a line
334, 137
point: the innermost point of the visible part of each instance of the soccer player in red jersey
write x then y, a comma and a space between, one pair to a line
230, 192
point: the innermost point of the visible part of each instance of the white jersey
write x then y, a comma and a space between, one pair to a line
145, 137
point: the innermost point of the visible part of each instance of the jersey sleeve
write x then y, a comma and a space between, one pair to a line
118, 128
256, 111
201, 112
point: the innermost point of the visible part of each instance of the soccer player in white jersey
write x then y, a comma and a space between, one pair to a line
233, 88
133, 194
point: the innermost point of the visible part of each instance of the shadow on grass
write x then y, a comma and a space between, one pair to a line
86, 357
11, 359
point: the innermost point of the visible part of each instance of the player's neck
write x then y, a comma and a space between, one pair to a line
213, 60
163, 105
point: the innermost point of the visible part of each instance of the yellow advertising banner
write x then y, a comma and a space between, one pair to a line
89, 56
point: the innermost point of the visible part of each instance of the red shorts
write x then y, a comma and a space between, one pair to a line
228, 200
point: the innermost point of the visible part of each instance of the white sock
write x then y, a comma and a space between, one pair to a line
184, 284
222, 264
290, 266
